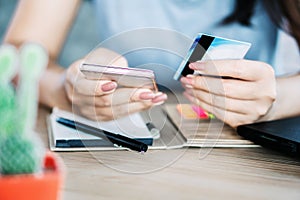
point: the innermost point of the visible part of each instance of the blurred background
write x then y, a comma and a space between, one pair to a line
79, 42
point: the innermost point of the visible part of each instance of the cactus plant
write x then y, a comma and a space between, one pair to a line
20, 151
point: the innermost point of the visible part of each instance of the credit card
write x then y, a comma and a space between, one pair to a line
208, 47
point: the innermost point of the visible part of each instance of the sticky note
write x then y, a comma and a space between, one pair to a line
188, 111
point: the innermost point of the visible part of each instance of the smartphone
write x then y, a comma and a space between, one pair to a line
127, 77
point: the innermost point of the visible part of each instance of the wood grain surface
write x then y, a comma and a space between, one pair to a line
188, 173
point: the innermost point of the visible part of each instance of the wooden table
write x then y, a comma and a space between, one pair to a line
222, 173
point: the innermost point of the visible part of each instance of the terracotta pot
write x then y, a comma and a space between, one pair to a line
44, 186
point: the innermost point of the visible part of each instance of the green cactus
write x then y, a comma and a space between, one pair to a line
19, 151
8, 64
18, 155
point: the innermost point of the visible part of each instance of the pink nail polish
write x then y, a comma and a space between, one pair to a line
109, 86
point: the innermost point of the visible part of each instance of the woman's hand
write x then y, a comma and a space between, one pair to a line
244, 95
102, 99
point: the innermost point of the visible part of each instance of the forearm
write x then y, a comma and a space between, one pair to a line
46, 23
287, 103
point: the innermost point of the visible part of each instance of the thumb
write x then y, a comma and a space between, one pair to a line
95, 87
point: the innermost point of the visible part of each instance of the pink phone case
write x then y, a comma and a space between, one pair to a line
128, 77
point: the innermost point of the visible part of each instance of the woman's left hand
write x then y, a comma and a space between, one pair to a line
244, 94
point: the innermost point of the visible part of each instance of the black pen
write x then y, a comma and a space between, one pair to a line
117, 139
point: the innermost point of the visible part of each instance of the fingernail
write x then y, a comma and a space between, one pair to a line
147, 95
162, 98
109, 86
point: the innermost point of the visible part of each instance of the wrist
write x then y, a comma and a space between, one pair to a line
286, 99
270, 114
51, 88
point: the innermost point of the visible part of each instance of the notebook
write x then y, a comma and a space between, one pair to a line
63, 138
282, 135
176, 131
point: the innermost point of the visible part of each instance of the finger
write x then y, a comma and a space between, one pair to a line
231, 118
203, 83
231, 88
129, 95
87, 87
159, 99
120, 96
239, 69
94, 87
229, 104
205, 106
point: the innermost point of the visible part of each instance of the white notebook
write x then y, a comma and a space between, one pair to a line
63, 138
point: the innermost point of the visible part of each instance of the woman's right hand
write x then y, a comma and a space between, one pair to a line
246, 97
